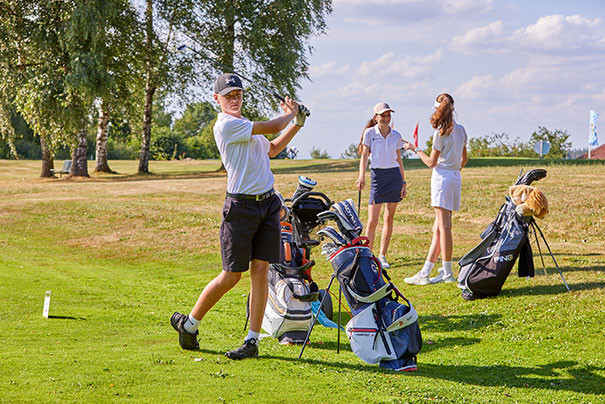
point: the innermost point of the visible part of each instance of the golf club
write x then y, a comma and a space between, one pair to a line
273, 93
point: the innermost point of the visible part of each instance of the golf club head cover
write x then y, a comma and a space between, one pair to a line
347, 209
333, 235
533, 175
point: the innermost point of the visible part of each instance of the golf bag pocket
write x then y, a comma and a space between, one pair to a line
401, 322
284, 312
369, 341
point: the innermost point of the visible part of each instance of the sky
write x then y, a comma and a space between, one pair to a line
511, 67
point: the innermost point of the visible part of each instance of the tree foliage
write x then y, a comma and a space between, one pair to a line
350, 153
317, 153
558, 139
265, 41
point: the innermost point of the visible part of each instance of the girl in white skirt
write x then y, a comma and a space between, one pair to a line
388, 184
447, 158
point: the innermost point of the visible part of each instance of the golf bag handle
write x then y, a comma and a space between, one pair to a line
307, 194
374, 297
361, 240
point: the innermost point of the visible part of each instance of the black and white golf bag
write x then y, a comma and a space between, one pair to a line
288, 313
383, 329
484, 269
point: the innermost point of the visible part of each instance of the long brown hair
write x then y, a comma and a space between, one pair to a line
443, 117
371, 122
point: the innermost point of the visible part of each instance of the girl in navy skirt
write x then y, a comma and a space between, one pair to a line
388, 184
447, 158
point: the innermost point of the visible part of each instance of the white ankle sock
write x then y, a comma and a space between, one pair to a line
191, 324
447, 268
252, 334
427, 268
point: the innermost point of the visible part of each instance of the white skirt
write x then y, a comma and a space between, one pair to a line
445, 188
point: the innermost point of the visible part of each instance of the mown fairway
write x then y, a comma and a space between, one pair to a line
121, 252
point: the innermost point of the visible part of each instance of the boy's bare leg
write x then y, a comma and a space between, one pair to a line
214, 291
258, 293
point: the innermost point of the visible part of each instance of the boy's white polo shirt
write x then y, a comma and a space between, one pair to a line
245, 156
383, 149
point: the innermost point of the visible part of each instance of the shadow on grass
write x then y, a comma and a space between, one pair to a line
66, 318
556, 376
560, 376
551, 289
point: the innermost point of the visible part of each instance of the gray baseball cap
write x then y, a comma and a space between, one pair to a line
227, 82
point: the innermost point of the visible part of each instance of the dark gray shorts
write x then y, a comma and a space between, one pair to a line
250, 230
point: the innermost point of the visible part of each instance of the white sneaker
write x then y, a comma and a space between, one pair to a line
440, 278
383, 262
418, 279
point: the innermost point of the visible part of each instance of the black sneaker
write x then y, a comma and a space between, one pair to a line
249, 349
186, 339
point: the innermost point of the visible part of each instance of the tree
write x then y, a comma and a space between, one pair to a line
350, 152
316, 153
196, 117
121, 58
162, 68
429, 146
559, 146
52, 65
266, 41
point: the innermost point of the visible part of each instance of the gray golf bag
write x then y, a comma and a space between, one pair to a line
484, 269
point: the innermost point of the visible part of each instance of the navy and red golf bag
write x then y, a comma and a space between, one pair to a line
384, 325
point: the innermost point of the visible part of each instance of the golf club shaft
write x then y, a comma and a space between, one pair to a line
271, 92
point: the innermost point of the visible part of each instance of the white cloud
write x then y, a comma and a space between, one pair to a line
392, 64
553, 34
477, 87
466, 6
375, 12
488, 35
331, 68
558, 32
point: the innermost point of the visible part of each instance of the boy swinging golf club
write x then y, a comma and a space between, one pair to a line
250, 231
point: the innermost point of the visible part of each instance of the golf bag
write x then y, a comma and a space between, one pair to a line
484, 269
288, 312
382, 329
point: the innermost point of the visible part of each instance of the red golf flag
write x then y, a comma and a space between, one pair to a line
416, 135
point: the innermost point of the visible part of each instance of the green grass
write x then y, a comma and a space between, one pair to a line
121, 252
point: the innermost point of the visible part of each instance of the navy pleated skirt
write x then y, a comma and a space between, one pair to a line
386, 185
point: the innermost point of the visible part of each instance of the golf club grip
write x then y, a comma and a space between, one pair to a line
308, 113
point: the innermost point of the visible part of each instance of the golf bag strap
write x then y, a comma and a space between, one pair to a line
379, 294
409, 318
298, 272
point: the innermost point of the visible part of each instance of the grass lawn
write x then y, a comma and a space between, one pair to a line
121, 252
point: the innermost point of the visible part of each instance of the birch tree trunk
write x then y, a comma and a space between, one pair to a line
146, 140
47, 160
101, 164
149, 91
79, 165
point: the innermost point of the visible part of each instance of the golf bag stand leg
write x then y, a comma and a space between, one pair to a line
316, 316
552, 255
339, 309
538, 244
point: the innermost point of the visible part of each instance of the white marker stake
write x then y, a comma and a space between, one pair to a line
46, 304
